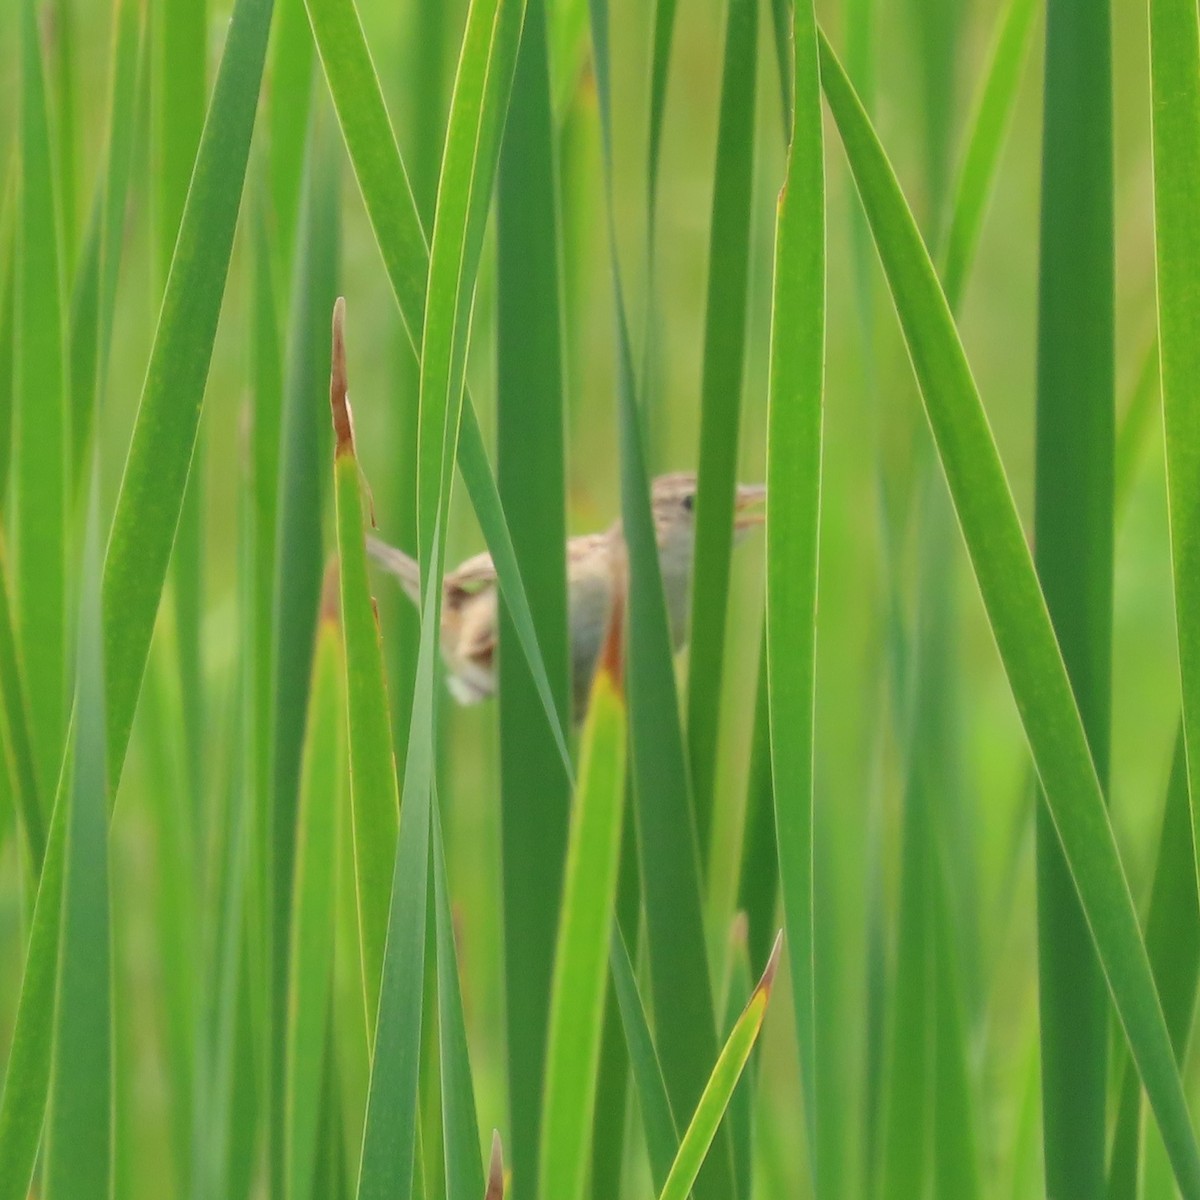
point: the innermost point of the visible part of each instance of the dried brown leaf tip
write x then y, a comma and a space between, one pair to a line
612, 652
339, 399
331, 596
768, 975
495, 1185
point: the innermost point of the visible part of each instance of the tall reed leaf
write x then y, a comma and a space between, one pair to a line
373, 792
584, 933
669, 857
151, 493
720, 400
720, 1088
530, 434
793, 520
1017, 614
79, 1135
41, 420
310, 963
392, 210
1175, 91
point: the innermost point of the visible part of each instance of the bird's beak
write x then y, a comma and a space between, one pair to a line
749, 506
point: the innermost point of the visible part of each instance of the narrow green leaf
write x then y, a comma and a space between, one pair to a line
580, 962
8, 351
1142, 415
530, 434
660, 69
721, 402
1175, 93
374, 795
719, 1090
79, 1134
41, 421
1017, 613
310, 963
291, 74
794, 433
151, 494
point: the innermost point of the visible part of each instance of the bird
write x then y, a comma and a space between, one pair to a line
469, 634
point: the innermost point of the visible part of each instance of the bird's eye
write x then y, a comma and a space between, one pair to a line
689, 501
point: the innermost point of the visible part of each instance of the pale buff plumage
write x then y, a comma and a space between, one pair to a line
469, 592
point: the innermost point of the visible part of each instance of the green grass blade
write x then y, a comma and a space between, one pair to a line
720, 401
1175, 92
984, 142
580, 962
670, 867
720, 1088
1173, 943
291, 75
392, 210
310, 964
460, 1123
151, 494
794, 435
79, 1133
741, 1102
14, 727
8, 354
41, 421
1142, 415
660, 70
1073, 535
374, 795
658, 1122
530, 434
1017, 614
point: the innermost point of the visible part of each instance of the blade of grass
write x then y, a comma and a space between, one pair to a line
670, 866
720, 402
291, 75
1142, 414
374, 795
1173, 943
41, 420
1017, 614
391, 208
576, 1016
310, 963
8, 354
660, 69
741, 1102
79, 1133
794, 433
534, 791
1175, 93
14, 726
717, 1094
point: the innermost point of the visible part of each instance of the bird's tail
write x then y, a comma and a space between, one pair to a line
397, 563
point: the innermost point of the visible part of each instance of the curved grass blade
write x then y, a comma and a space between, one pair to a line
156, 470
79, 1133
392, 210
530, 461
15, 728
721, 1085
40, 445
721, 402
988, 127
584, 933
1017, 614
1173, 943
660, 69
310, 963
374, 795
1175, 93
794, 433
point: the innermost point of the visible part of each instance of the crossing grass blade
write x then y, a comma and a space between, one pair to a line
1142, 414
721, 401
41, 430
14, 727
531, 467
1173, 943
719, 1091
794, 434
1175, 94
669, 856
374, 795
1017, 615
79, 1122
987, 129
151, 493
391, 208
576, 1017
311, 960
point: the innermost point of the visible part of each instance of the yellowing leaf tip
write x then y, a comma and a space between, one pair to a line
495, 1187
768, 975
339, 399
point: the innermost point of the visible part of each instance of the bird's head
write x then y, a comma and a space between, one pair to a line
673, 501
